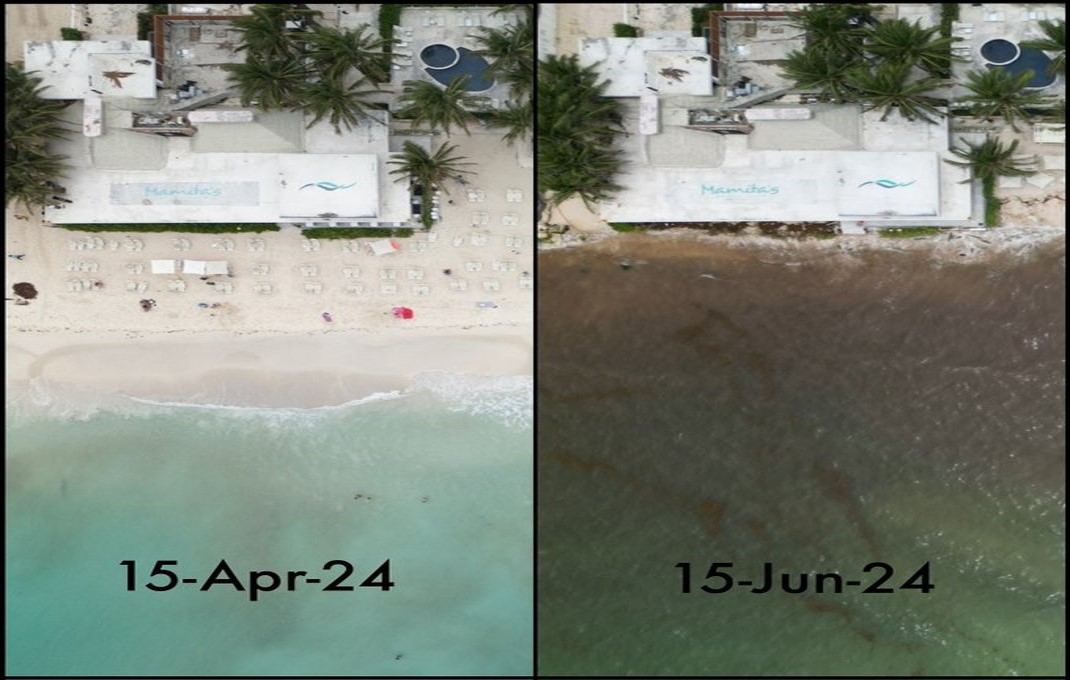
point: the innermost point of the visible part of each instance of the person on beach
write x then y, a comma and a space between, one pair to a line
17, 257
327, 317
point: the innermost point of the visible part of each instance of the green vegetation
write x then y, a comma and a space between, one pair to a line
308, 70
389, 17
441, 108
357, 232
850, 56
625, 31
32, 123
904, 42
992, 204
144, 20
908, 232
430, 171
700, 17
625, 227
889, 86
511, 53
181, 228
989, 159
67, 33
997, 92
949, 14
1054, 40
335, 52
577, 127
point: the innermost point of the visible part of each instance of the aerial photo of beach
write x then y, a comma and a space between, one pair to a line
270, 284
801, 340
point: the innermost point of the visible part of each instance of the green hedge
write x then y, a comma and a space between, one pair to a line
356, 232
700, 17
625, 31
177, 228
992, 204
144, 20
67, 33
909, 232
625, 227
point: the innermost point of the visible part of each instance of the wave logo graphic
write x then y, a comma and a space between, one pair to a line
328, 186
888, 184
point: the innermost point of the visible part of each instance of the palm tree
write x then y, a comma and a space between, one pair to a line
577, 128
517, 119
441, 108
835, 29
345, 104
989, 159
889, 87
813, 70
31, 123
264, 31
335, 51
508, 49
429, 170
276, 83
902, 41
997, 92
1054, 40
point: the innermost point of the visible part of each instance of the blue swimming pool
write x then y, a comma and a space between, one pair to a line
999, 51
439, 56
1031, 60
468, 64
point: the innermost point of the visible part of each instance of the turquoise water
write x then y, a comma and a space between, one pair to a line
444, 476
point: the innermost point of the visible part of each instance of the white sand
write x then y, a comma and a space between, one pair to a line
281, 370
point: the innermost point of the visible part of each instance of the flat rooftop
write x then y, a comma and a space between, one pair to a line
74, 69
668, 64
231, 187
813, 186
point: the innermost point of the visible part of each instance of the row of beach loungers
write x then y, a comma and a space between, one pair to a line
133, 245
386, 287
308, 245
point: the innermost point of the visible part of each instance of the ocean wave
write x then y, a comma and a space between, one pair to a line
507, 398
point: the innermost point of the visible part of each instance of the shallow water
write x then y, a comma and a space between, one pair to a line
818, 412
444, 479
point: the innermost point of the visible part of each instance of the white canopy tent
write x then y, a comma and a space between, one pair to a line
164, 266
384, 247
205, 267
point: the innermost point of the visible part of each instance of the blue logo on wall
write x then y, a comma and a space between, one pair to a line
752, 188
328, 186
888, 184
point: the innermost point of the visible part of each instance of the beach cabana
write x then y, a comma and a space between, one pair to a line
384, 246
164, 266
205, 267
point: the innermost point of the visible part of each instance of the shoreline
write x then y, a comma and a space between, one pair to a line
950, 245
260, 371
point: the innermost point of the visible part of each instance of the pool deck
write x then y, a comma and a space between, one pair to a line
456, 27
978, 25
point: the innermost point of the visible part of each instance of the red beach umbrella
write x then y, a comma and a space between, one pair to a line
402, 313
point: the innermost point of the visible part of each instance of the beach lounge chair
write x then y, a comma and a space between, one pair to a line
421, 289
458, 240
388, 288
260, 269
458, 285
473, 266
479, 239
351, 272
416, 274
526, 283
388, 274
313, 288
492, 285
355, 288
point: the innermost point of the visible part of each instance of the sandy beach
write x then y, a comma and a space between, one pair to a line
297, 322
